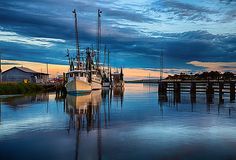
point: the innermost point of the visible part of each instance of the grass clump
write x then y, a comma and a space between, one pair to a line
19, 88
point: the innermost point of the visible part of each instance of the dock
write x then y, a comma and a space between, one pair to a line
210, 87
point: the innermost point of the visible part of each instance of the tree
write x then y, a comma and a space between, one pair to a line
228, 75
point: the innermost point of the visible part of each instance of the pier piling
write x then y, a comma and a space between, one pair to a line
221, 87
162, 88
193, 88
177, 92
209, 89
177, 88
232, 91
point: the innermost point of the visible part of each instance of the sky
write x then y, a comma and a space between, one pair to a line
193, 35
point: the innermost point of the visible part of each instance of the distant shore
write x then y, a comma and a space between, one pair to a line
204, 76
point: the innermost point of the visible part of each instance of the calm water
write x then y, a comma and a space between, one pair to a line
117, 125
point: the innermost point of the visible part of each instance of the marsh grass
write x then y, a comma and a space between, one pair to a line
19, 88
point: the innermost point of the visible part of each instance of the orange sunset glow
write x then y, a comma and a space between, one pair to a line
54, 70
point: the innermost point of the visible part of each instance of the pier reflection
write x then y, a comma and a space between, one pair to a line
125, 124
211, 103
91, 112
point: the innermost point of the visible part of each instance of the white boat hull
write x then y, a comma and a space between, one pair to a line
77, 86
96, 82
96, 85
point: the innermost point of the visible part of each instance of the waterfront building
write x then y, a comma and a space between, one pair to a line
23, 74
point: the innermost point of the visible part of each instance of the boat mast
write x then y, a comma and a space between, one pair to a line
98, 37
93, 57
108, 59
77, 40
47, 67
68, 55
105, 50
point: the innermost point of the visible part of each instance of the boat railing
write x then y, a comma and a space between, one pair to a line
85, 79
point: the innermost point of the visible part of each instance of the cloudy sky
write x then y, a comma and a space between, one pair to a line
194, 35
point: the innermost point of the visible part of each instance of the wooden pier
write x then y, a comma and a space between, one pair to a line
210, 87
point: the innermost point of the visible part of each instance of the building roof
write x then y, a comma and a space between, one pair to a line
24, 69
27, 70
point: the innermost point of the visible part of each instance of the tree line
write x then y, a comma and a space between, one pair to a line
212, 75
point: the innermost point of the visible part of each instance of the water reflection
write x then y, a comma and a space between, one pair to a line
0, 111
171, 99
135, 123
19, 101
85, 113
83, 108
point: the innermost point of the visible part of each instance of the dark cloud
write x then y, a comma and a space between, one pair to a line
132, 16
227, 1
129, 47
230, 16
183, 11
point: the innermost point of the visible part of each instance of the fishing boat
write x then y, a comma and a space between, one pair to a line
85, 77
106, 78
96, 80
77, 82
118, 80
77, 77
83, 80
106, 82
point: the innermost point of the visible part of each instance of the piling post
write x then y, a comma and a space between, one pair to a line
209, 94
162, 88
193, 88
177, 92
209, 99
177, 88
162, 91
177, 97
193, 93
209, 88
221, 87
232, 91
193, 100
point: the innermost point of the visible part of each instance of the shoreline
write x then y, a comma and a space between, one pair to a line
9, 88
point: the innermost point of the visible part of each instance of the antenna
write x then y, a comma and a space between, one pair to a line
77, 39
47, 68
161, 65
68, 55
98, 36
108, 59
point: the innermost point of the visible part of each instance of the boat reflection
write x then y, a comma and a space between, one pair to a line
91, 112
118, 94
83, 108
